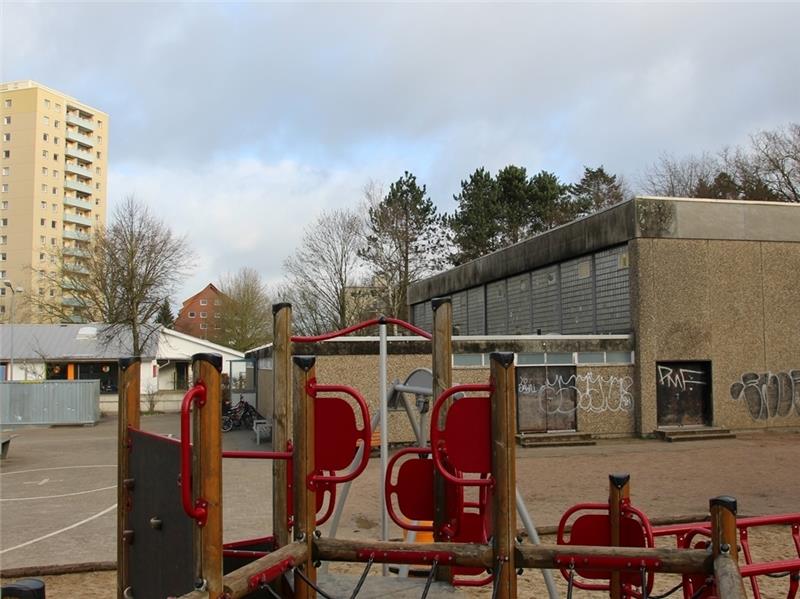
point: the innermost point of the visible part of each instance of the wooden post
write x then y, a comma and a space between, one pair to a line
207, 471
442, 350
128, 412
305, 508
281, 417
504, 428
619, 492
724, 549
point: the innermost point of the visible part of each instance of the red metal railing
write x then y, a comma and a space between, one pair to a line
197, 510
362, 325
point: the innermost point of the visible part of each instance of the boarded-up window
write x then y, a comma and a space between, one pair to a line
476, 312
519, 305
576, 297
612, 291
496, 308
545, 300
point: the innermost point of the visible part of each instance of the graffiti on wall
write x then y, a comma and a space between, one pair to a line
769, 394
594, 393
679, 378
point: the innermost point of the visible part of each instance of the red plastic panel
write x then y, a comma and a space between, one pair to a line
468, 435
414, 489
595, 530
335, 433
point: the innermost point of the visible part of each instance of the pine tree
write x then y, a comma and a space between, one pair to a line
475, 225
165, 317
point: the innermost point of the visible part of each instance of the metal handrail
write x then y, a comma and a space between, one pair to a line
199, 509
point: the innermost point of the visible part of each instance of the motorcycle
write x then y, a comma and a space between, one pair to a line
242, 414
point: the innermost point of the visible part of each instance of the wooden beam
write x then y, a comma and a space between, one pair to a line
351, 550
305, 508
672, 561
619, 491
504, 507
724, 548
237, 583
207, 471
281, 417
442, 350
728, 578
129, 416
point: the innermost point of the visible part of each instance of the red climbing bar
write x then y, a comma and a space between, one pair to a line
362, 325
258, 455
197, 511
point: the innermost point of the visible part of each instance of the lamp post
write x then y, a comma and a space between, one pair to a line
11, 323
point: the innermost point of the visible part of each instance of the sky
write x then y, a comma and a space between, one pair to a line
239, 124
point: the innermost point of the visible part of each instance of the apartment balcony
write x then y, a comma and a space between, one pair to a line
76, 235
74, 167
75, 152
70, 301
74, 135
75, 252
74, 119
77, 219
76, 202
77, 185
76, 267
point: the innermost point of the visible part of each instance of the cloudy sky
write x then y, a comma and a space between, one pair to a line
239, 123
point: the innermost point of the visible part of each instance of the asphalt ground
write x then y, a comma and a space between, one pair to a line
58, 493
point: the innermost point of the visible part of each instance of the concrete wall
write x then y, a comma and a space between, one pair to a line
733, 303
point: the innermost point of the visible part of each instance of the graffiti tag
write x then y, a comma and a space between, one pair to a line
769, 394
679, 378
594, 393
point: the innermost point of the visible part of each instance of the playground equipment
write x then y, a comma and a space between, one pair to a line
170, 512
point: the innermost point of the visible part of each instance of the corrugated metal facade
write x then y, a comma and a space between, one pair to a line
612, 297
496, 308
476, 311
577, 307
49, 402
586, 295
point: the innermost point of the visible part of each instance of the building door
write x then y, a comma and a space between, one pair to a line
546, 399
683, 393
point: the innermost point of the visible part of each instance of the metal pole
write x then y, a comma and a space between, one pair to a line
384, 435
533, 535
11, 336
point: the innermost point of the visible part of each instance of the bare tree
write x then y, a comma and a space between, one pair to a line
774, 161
679, 178
325, 274
246, 320
120, 279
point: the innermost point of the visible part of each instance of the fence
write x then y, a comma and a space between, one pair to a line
49, 402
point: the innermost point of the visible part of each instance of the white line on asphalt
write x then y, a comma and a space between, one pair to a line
58, 468
58, 532
59, 496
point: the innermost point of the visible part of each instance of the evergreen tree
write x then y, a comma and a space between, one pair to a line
596, 190
475, 224
165, 317
406, 241
549, 204
513, 204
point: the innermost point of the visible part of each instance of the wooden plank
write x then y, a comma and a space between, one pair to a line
305, 508
281, 417
504, 428
619, 490
207, 477
442, 348
129, 415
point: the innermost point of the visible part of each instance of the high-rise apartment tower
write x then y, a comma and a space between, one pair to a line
53, 173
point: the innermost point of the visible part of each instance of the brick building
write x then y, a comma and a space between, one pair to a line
200, 316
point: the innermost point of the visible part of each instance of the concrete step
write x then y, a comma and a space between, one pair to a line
701, 433
554, 439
